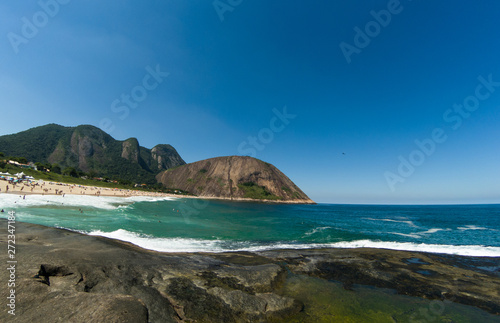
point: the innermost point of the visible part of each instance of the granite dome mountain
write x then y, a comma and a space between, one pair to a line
88, 148
234, 178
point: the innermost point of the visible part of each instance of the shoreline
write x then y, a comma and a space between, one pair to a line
58, 188
62, 268
175, 245
249, 200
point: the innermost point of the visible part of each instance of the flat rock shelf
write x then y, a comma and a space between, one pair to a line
64, 276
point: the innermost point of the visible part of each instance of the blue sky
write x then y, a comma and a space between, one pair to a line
357, 115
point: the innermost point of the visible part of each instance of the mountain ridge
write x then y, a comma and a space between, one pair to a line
88, 148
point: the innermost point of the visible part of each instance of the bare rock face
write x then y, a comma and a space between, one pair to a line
165, 157
130, 150
84, 146
235, 178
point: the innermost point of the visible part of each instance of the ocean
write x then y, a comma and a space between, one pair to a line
193, 225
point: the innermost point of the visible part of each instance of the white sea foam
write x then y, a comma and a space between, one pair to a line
433, 230
164, 244
471, 227
316, 230
199, 245
13, 201
150, 198
418, 235
410, 223
411, 235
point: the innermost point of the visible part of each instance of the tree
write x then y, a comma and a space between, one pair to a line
2, 154
56, 169
70, 171
40, 166
125, 182
92, 173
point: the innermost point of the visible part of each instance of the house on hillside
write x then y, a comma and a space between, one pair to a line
30, 165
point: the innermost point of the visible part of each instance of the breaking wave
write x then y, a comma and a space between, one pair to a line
203, 245
13, 201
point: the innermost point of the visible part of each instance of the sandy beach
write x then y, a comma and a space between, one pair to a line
56, 188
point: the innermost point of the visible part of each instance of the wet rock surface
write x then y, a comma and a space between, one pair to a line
431, 276
63, 276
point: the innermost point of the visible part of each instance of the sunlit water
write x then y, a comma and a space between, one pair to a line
174, 225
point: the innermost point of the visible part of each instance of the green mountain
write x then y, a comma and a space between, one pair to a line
234, 178
88, 148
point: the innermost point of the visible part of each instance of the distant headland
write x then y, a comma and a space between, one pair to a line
236, 178
87, 152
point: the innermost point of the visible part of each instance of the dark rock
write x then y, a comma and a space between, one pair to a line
261, 278
47, 271
64, 276
197, 303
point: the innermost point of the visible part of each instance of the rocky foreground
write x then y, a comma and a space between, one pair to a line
62, 276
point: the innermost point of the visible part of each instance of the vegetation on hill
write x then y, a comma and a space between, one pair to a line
256, 192
84, 153
71, 176
87, 149
35, 144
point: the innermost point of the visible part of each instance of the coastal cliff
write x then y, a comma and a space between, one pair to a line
234, 178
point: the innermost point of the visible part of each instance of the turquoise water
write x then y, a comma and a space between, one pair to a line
165, 224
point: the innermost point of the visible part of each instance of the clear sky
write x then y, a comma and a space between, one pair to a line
361, 81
